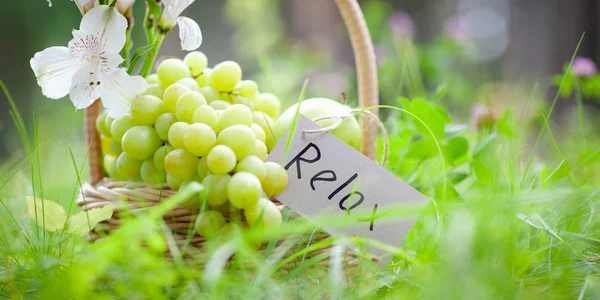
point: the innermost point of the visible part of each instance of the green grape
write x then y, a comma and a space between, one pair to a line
154, 90
173, 182
170, 70
220, 104
115, 148
219, 113
115, 175
230, 231
163, 124
243, 190
264, 215
276, 178
225, 76
181, 164
105, 143
199, 139
252, 164
196, 61
239, 138
244, 101
107, 162
247, 88
258, 132
151, 174
236, 114
216, 185
224, 208
205, 114
209, 94
159, 156
264, 121
108, 123
176, 135
146, 109
210, 224
260, 150
172, 94
226, 96
152, 78
190, 83
128, 167
202, 169
120, 126
140, 142
269, 104
221, 159
187, 105
202, 78
101, 125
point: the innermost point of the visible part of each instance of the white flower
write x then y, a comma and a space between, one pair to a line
189, 31
88, 68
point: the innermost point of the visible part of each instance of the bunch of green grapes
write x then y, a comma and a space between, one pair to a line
201, 124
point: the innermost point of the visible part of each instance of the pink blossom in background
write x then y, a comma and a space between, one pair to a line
482, 117
456, 29
402, 25
583, 67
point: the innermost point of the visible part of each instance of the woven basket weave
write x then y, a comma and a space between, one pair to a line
131, 197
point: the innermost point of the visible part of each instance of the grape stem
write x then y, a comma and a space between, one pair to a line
151, 57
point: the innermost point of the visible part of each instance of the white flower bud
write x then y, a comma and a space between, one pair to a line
85, 5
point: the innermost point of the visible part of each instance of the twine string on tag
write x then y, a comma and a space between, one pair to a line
351, 114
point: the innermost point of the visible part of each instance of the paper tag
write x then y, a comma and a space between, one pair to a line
329, 178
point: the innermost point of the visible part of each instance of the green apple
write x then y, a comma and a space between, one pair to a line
349, 131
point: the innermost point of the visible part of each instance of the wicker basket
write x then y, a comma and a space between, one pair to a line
129, 197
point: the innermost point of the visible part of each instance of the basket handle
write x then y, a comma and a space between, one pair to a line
364, 58
366, 68
93, 141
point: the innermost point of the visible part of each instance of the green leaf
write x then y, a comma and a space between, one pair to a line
456, 150
138, 54
443, 113
432, 117
405, 103
452, 130
424, 148
48, 214
505, 124
85, 221
483, 171
457, 177
561, 171
483, 144
440, 92
567, 84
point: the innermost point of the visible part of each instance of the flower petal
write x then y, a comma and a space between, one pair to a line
111, 62
85, 87
175, 7
107, 23
118, 90
54, 67
189, 33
